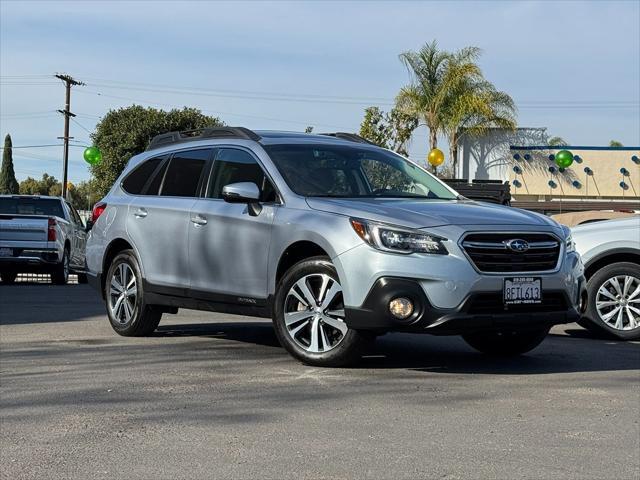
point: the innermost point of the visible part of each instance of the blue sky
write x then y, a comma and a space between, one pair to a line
573, 67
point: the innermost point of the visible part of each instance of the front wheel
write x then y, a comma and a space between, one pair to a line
308, 316
128, 313
506, 343
614, 301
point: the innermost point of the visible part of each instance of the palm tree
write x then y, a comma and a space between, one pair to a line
434, 75
449, 95
474, 107
557, 142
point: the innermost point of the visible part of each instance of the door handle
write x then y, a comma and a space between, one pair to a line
140, 213
199, 220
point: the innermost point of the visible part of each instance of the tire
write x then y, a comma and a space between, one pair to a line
506, 344
82, 278
128, 313
315, 334
8, 278
601, 288
60, 275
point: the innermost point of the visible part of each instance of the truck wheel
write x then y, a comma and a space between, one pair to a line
506, 343
614, 301
128, 313
8, 278
308, 316
60, 275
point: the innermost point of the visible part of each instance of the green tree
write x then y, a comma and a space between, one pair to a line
615, 143
31, 186
127, 131
434, 75
389, 130
557, 142
8, 182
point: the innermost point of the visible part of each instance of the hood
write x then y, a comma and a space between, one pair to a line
428, 213
608, 226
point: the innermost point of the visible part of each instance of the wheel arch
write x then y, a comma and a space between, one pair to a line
116, 246
611, 256
296, 252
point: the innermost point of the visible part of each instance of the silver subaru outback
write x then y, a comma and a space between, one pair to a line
336, 239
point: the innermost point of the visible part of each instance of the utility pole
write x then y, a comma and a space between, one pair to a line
68, 82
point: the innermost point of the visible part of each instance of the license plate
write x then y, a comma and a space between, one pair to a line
522, 290
6, 252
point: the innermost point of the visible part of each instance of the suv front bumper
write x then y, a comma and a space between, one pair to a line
478, 312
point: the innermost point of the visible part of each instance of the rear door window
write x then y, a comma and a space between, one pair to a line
184, 172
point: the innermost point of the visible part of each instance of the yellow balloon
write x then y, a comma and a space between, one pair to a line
436, 157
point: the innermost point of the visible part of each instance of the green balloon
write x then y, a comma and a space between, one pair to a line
92, 155
564, 158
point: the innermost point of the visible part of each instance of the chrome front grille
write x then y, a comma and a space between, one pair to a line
512, 252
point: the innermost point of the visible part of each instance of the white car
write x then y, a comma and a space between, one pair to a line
610, 251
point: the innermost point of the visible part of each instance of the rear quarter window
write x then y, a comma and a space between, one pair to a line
136, 181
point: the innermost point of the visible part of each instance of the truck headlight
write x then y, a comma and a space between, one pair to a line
398, 240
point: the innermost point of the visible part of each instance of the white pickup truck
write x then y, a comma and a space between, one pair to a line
40, 234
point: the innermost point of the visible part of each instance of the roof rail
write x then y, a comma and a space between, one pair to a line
200, 134
352, 137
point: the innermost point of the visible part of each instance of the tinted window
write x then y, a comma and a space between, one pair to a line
341, 171
183, 174
153, 187
31, 206
136, 180
233, 166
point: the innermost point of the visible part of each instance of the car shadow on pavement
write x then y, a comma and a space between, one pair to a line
557, 354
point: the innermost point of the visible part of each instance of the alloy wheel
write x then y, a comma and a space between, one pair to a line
123, 293
618, 302
314, 313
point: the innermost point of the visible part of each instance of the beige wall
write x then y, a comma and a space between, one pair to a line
604, 183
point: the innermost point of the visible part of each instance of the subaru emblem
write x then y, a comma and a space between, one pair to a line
518, 245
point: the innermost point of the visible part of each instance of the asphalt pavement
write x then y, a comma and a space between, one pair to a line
215, 396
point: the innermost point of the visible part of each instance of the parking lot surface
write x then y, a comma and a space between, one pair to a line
215, 396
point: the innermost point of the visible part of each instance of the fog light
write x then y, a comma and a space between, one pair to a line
401, 308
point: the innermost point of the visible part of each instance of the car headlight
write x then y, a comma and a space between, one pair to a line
396, 239
569, 244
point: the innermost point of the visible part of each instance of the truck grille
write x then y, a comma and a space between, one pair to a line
512, 252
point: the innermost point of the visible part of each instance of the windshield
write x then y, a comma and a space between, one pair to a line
31, 206
352, 172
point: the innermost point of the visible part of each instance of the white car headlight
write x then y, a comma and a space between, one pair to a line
398, 240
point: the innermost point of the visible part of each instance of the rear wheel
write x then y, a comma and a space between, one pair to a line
128, 313
309, 316
8, 278
614, 301
506, 343
60, 275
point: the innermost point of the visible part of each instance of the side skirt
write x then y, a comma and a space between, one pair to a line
207, 301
